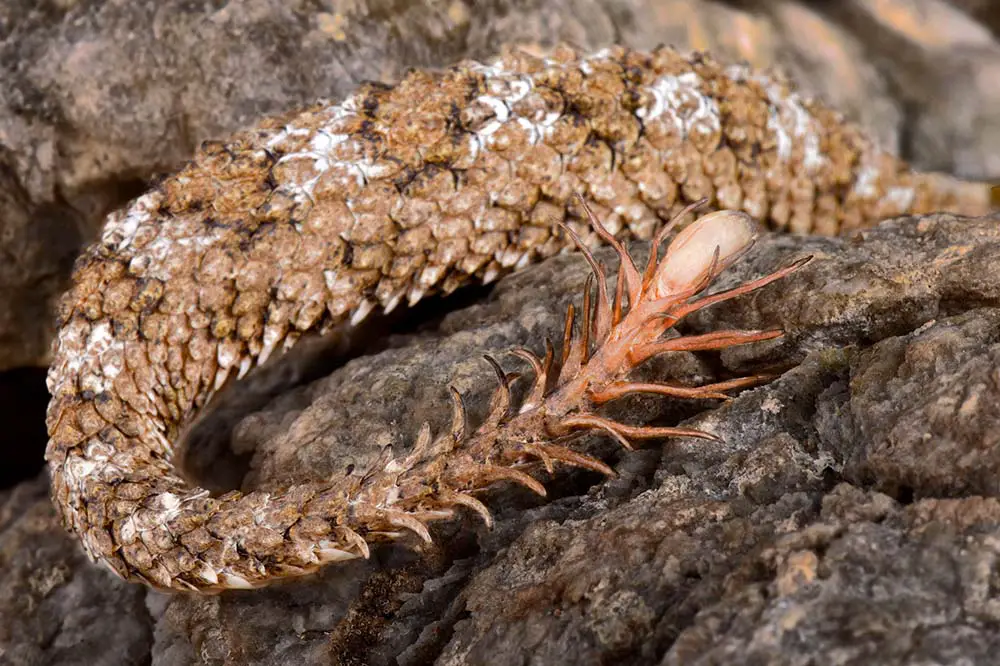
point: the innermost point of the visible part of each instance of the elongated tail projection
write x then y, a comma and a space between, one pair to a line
193, 542
313, 220
593, 370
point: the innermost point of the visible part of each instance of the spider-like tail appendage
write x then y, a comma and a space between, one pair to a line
617, 334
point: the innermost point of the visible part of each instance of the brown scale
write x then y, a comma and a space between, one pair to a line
419, 188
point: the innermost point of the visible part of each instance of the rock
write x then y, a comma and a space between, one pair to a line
55, 606
38, 244
866, 581
944, 69
923, 411
984, 11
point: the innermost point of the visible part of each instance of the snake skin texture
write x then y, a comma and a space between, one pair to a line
313, 219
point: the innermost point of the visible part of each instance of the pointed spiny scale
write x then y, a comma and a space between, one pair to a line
394, 300
617, 390
385, 535
591, 422
744, 288
603, 314
549, 452
537, 393
221, 375
362, 312
346, 534
587, 321
627, 267
616, 310
500, 401
622, 431
470, 502
188, 586
245, 365
290, 340
408, 522
484, 475
384, 463
414, 295
459, 417
654, 248
703, 342
536, 451
650, 432
327, 554
430, 515
573, 350
270, 343
531, 358
422, 444
550, 377
567, 343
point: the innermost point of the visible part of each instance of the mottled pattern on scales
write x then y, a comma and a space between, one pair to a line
313, 219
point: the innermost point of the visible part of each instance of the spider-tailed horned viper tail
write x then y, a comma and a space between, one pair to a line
315, 218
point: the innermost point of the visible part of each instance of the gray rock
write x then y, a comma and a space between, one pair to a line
55, 606
924, 410
865, 580
984, 11
38, 244
943, 69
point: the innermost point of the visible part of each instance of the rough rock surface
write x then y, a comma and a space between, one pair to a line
849, 515
984, 11
55, 606
935, 60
